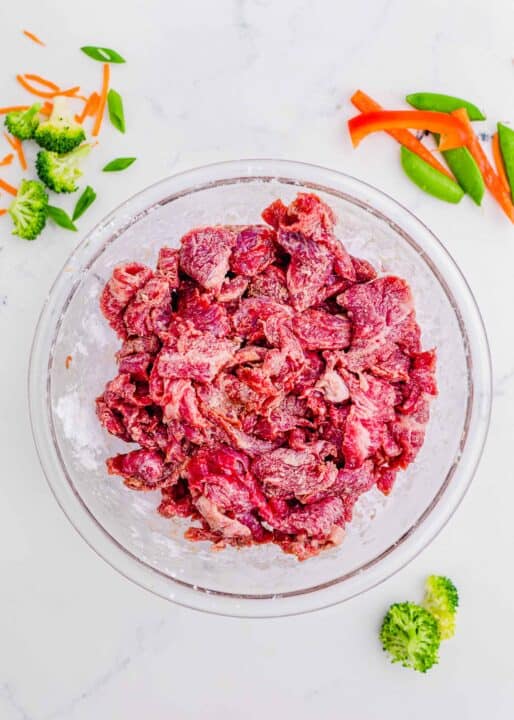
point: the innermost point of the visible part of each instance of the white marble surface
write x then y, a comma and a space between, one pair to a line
210, 81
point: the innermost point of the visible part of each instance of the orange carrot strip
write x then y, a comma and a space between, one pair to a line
365, 103
491, 179
7, 160
33, 37
47, 108
7, 187
34, 91
21, 155
71, 92
3, 211
45, 93
11, 140
103, 99
498, 161
13, 108
93, 107
67, 362
17, 146
90, 108
41, 81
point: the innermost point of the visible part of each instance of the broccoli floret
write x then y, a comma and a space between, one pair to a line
60, 133
28, 209
442, 600
410, 634
23, 123
60, 172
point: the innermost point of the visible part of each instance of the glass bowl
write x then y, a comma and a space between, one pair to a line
123, 527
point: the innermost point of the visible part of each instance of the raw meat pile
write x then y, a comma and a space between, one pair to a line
268, 377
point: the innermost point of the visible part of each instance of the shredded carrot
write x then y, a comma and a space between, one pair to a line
46, 108
67, 362
21, 155
7, 187
13, 108
22, 79
17, 146
498, 161
491, 179
7, 160
71, 92
33, 37
90, 108
103, 99
3, 211
11, 140
365, 103
41, 81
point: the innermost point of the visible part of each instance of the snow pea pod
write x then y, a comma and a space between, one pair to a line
443, 103
429, 179
506, 138
467, 173
459, 160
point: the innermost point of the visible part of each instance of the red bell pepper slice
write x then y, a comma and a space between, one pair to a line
453, 132
365, 103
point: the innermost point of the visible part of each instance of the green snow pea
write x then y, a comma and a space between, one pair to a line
506, 139
443, 103
460, 161
467, 173
429, 179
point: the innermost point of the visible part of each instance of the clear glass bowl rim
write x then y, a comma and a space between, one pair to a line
427, 526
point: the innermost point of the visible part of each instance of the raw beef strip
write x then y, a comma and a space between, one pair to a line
154, 295
309, 268
253, 251
248, 320
203, 311
167, 266
272, 283
289, 473
318, 330
205, 253
198, 357
142, 469
120, 289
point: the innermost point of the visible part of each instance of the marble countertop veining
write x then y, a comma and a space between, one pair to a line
205, 82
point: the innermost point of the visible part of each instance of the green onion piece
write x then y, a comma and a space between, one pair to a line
116, 114
60, 217
119, 164
102, 54
85, 200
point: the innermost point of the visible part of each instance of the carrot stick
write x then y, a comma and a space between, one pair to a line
71, 92
45, 93
21, 155
90, 108
103, 99
7, 160
10, 140
498, 161
491, 179
3, 211
33, 37
365, 103
17, 146
41, 81
13, 108
7, 187
93, 108
47, 108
